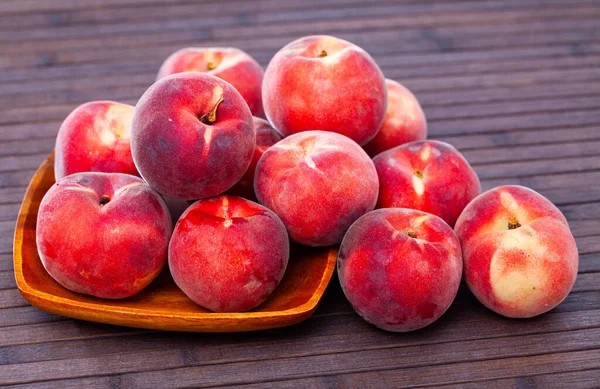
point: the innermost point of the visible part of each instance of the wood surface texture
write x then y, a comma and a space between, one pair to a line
514, 85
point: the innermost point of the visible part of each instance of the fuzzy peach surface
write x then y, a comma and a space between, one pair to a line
178, 150
324, 83
318, 183
520, 257
109, 248
95, 138
400, 268
404, 120
430, 176
266, 136
228, 254
230, 64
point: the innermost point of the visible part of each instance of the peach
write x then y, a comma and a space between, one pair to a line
430, 176
228, 254
103, 234
404, 121
400, 268
318, 183
324, 83
520, 256
230, 64
266, 137
192, 136
95, 138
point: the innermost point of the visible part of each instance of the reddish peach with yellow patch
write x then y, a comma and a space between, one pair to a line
400, 268
192, 136
318, 183
404, 120
325, 83
520, 256
230, 64
266, 136
228, 254
103, 234
430, 176
95, 138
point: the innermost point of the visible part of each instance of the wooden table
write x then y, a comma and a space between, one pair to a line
514, 85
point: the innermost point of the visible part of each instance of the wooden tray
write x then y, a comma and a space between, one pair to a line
162, 305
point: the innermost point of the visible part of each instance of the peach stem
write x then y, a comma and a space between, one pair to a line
412, 234
322, 54
513, 224
418, 173
105, 199
211, 117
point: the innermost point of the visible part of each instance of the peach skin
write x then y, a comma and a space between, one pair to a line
520, 257
400, 268
430, 176
228, 63
192, 136
404, 121
266, 136
95, 138
318, 183
103, 234
324, 83
228, 254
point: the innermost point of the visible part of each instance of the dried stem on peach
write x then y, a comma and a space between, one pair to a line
513, 224
322, 54
211, 117
104, 200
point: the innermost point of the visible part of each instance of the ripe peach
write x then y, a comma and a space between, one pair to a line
318, 183
192, 136
400, 268
430, 176
404, 120
95, 138
103, 234
228, 254
325, 83
266, 137
520, 256
230, 64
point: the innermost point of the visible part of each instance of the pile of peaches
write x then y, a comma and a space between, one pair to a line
193, 176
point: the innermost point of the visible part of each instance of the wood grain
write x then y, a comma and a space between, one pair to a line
513, 84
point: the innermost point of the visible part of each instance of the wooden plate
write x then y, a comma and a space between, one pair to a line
162, 305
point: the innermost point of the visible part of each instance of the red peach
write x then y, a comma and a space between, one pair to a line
95, 138
404, 121
230, 64
430, 176
266, 137
103, 234
228, 254
325, 83
318, 183
520, 256
400, 268
192, 136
